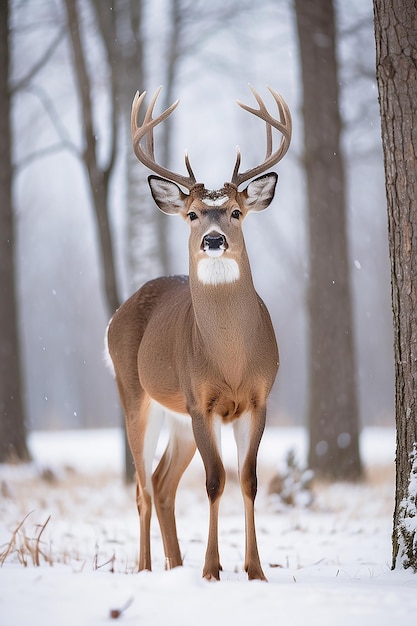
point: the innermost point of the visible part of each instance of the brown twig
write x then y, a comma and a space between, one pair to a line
116, 613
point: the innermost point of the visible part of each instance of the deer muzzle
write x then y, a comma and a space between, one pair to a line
214, 243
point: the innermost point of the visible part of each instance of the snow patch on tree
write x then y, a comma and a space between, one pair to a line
407, 526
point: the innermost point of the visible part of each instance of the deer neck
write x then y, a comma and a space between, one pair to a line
226, 312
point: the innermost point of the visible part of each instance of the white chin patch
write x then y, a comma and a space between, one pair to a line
214, 252
217, 270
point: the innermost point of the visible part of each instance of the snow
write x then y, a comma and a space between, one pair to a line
407, 516
326, 564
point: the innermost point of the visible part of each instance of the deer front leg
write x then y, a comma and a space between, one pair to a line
248, 430
252, 561
207, 441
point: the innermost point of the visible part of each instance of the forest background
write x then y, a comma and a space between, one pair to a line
205, 56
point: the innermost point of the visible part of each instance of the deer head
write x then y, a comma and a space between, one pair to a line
214, 216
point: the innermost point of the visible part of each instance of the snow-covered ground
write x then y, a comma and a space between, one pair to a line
328, 564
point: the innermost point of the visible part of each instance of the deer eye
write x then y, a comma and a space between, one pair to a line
236, 214
192, 215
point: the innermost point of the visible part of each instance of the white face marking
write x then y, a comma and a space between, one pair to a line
214, 252
216, 201
217, 271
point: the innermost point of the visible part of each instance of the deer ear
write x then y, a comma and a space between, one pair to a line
259, 193
167, 195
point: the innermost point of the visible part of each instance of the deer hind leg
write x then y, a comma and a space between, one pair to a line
248, 430
175, 460
207, 436
143, 425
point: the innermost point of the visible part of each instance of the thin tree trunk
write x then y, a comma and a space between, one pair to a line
396, 64
99, 177
333, 403
146, 248
12, 417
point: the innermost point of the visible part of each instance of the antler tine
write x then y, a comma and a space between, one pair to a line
268, 141
148, 117
237, 164
147, 156
283, 125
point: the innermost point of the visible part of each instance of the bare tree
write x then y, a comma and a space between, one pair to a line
146, 242
123, 42
396, 63
12, 416
99, 176
333, 403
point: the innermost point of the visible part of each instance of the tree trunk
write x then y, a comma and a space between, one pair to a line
99, 177
396, 64
333, 403
146, 243
12, 419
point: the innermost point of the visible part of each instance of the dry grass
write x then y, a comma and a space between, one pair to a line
90, 520
70, 518
380, 474
27, 549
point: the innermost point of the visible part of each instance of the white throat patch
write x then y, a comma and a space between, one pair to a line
217, 271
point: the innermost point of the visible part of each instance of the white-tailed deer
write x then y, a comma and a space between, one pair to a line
201, 348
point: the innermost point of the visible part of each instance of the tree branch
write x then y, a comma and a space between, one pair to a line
65, 140
23, 82
106, 22
48, 105
84, 87
44, 152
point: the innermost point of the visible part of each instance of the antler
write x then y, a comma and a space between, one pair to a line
147, 155
284, 126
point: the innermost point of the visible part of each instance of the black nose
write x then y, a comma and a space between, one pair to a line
214, 241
